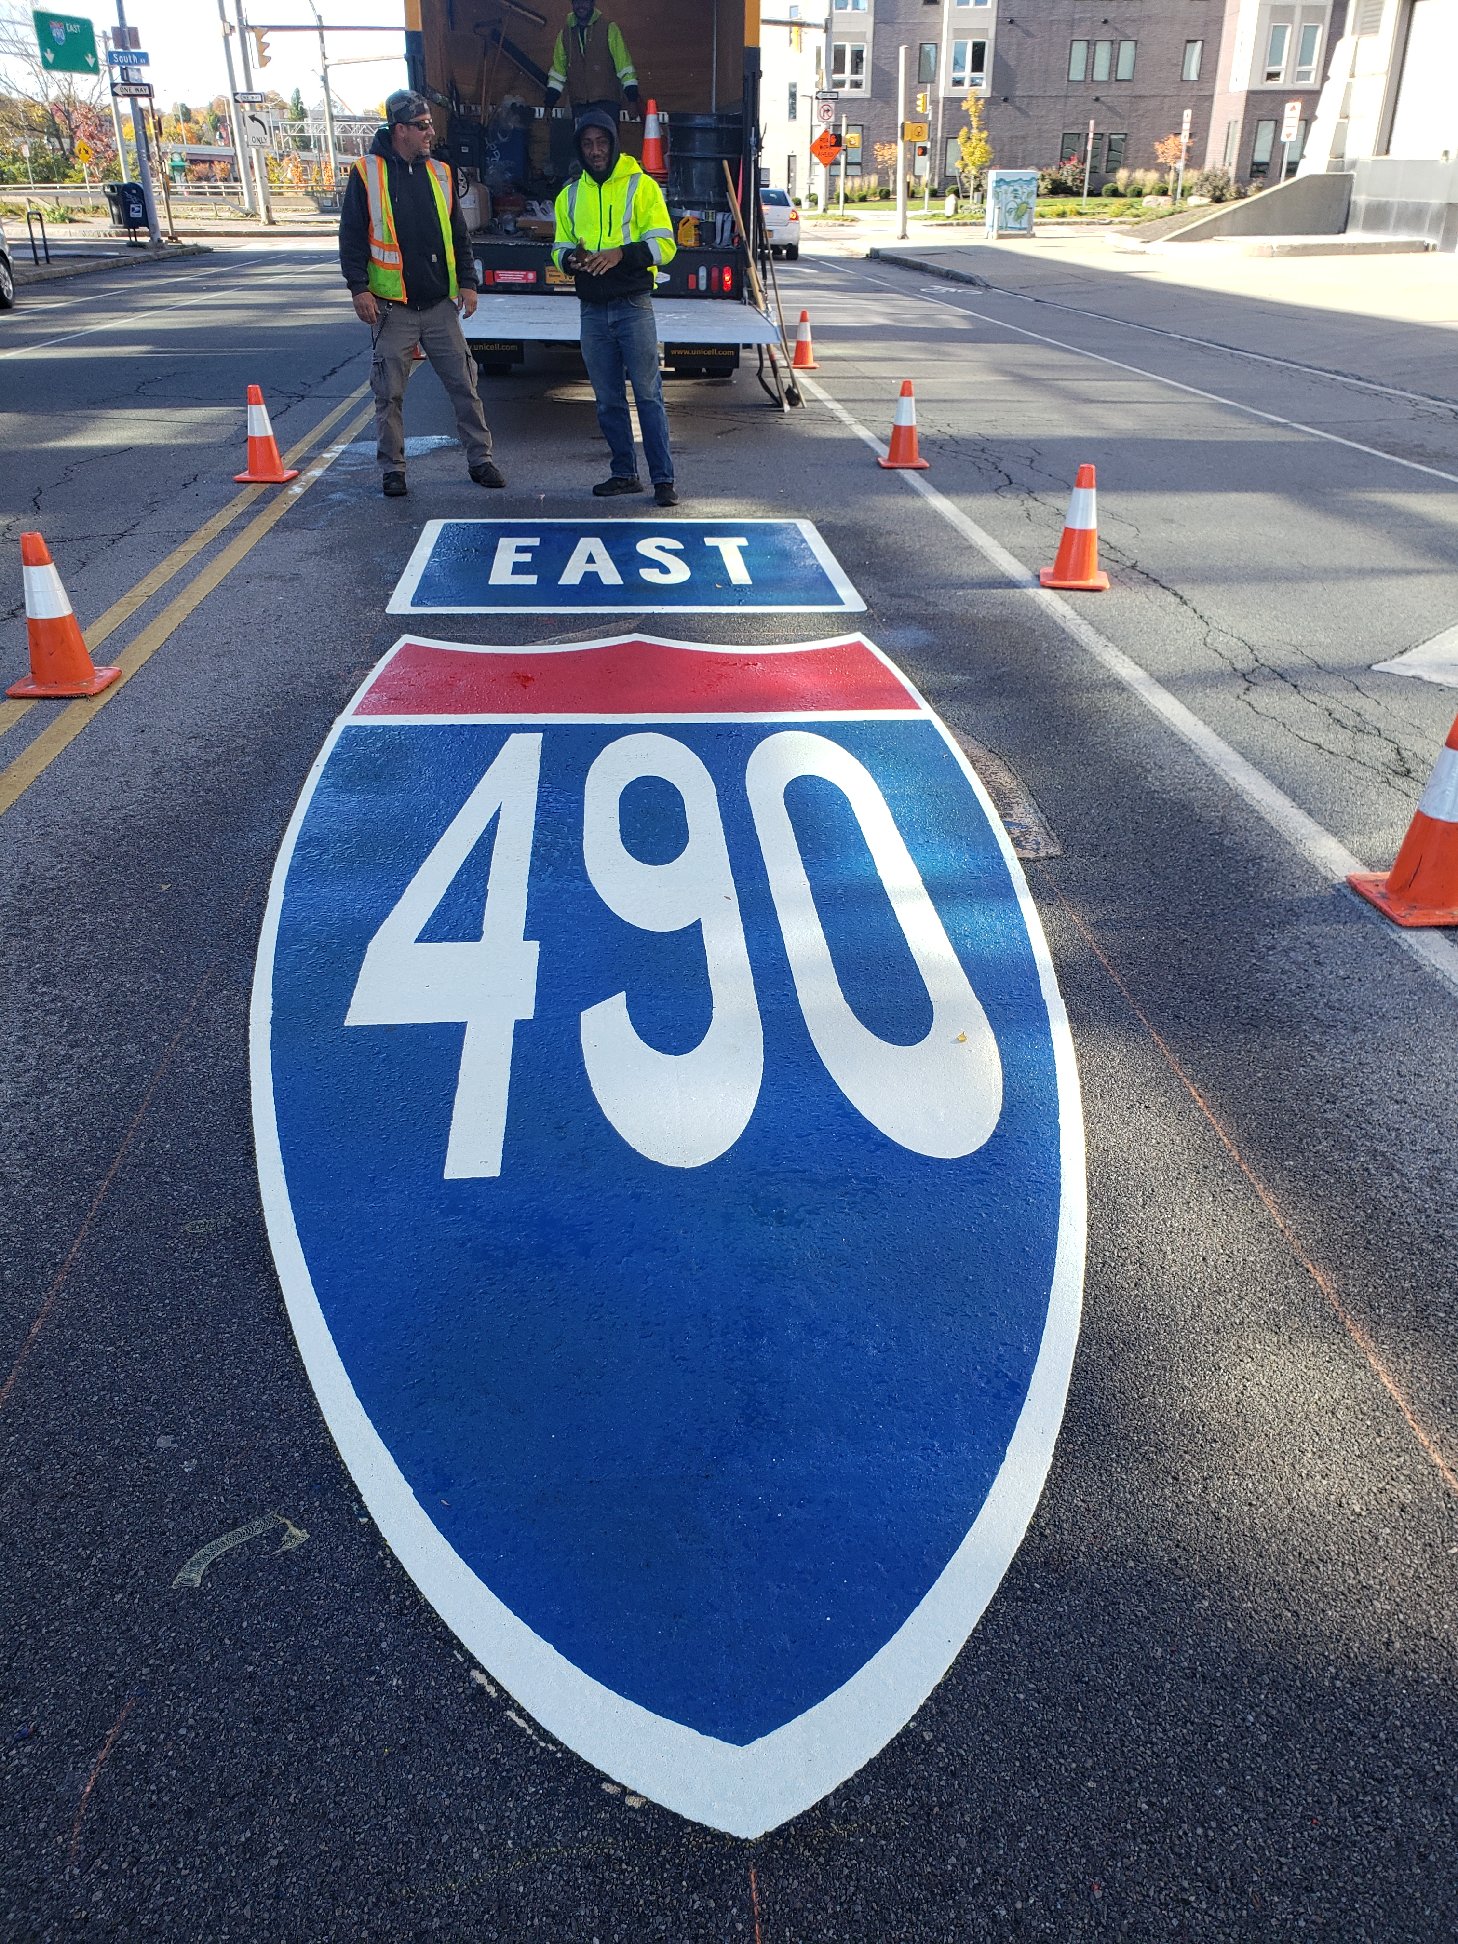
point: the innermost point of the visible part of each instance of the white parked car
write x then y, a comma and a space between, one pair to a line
7, 275
781, 222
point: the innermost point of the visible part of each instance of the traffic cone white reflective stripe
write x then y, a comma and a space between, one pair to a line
804, 348
60, 663
1422, 886
1076, 567
265, 466
45, 597
905, 453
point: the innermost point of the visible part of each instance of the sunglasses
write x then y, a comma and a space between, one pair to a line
425, 127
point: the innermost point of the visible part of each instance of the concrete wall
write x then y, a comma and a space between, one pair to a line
1305, 206
1391, 197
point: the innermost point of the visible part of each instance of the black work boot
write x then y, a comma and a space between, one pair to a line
392, 485
609, 488
488, 474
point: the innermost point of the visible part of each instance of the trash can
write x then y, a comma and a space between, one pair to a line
128, 205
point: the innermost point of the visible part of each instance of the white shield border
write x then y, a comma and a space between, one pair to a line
744, 1791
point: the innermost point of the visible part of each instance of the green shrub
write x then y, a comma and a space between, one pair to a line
1214, 183
1111, 189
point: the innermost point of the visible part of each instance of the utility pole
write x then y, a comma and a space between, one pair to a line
260, 169
240, 151
1088, 143
900, 145
139, 135
842, 164
116, 120
938, 154
328, 104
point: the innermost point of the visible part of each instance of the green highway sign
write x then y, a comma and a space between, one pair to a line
67, 43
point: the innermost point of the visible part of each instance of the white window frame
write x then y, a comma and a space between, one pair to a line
1306, 73
963, 74
1274, 67
843, 71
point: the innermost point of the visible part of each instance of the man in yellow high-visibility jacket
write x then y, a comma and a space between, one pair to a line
406, 256
613, 234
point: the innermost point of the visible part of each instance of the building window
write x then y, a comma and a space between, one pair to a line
851, 160
1103, 60
1308, 46
1276, 51
971, 3
794, 113
951, 159
926, 62
1190, 70
791, 167
1070, 149
1115, 158
1260, 155
848, 65
969, 64
1232, 143
1078, 60
850, 6
1124, 67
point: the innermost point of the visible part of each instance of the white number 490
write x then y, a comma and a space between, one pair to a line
940, 1096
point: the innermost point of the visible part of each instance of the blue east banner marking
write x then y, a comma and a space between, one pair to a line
614, 566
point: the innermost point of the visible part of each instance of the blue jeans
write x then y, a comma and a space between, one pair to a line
620, 341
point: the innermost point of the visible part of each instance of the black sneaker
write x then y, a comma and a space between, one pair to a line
610, 488
664, 494
488, 474
392, 485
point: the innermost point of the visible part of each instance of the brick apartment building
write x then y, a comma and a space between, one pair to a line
1047, 69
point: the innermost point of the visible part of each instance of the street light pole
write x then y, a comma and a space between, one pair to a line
240, 150
328, 104
116, 120
139, 135
900, 145
260, 170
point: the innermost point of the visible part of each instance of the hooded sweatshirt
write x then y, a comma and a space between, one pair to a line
412, 203
589, 217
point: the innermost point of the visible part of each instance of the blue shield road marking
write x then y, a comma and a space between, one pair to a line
613, 566
670, 1145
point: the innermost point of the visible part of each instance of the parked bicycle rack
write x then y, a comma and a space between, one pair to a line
32, 217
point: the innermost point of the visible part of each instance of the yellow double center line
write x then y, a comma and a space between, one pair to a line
39, 754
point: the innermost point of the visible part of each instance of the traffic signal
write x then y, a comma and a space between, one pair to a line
921, 101
260, 47
923, 150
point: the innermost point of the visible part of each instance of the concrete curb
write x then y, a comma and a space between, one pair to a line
27, 274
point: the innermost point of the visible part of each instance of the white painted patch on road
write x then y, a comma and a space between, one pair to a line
192, 1573
1332, 859
1433, 661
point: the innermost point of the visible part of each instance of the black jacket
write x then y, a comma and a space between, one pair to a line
427, 277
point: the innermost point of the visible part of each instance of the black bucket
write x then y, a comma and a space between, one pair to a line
698, 148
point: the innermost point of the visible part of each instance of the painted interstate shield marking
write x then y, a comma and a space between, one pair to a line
671, 1151
613, 566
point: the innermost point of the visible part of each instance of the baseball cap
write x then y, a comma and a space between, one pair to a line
406, 106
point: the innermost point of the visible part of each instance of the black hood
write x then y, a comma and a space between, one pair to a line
382, 145
598, 118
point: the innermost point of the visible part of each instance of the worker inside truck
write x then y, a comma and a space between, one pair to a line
508, 81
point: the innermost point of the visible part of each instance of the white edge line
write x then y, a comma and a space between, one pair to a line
547, 720
1320, 849
402, 601
742, 1790
1193, 391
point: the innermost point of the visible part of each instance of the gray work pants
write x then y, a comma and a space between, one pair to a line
438, 333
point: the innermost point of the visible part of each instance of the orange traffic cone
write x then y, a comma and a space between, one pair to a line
653, 160
1422, 886
804, 348
1077, 564
59, 661
265, 467
904, 455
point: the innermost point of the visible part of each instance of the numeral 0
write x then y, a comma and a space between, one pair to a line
940, 1097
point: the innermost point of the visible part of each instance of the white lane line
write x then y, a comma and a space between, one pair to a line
1202, 344
131, 317
1320, 849
1192, 391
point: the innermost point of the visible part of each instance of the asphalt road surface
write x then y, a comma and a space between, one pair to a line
1214, 1694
